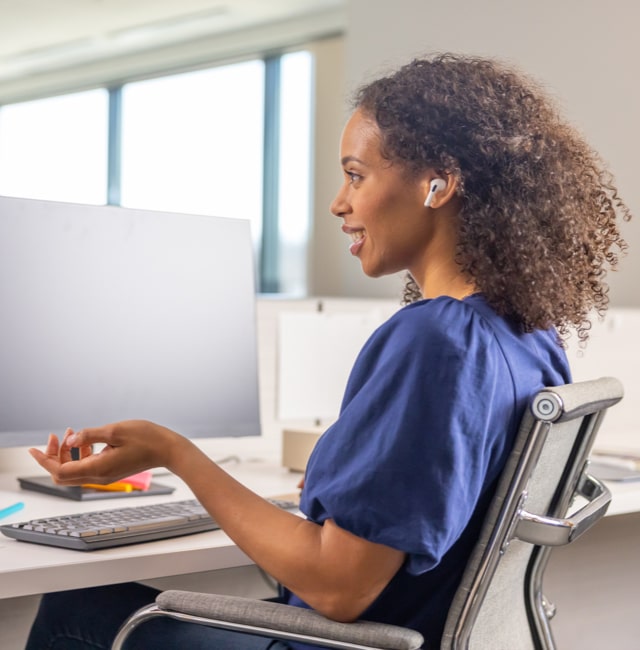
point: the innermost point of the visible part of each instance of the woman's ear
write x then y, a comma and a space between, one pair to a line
439, 189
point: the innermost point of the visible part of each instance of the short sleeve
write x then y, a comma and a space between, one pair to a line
420, 435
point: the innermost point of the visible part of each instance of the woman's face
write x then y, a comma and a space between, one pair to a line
381, 204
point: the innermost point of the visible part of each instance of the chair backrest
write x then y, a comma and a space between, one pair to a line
499, 603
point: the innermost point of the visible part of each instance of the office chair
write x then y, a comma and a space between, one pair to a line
499, 603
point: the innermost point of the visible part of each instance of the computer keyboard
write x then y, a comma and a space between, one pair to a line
128, 525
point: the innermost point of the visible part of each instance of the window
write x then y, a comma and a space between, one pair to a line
231, 140
193, 143
294, 171
56, 148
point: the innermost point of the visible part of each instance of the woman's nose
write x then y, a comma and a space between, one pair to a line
339, 206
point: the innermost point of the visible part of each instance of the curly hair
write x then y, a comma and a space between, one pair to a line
537, 227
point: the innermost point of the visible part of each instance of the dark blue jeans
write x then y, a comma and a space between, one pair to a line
88, 619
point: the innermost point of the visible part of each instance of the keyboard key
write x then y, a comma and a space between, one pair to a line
159, 522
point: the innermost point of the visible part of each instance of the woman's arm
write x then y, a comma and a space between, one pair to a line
332, 570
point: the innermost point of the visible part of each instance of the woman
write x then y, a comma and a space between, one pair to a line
459, 171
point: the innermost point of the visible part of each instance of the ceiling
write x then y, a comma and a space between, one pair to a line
40, 35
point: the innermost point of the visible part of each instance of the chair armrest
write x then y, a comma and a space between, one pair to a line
286, 621
552, 531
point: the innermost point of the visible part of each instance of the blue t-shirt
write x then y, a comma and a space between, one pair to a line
429, 415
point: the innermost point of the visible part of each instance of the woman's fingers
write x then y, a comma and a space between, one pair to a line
53, 445
65, 454
129, 447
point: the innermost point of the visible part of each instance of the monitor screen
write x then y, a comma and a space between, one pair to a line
110, 313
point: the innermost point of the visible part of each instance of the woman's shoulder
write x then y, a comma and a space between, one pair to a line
445, 318
433, 331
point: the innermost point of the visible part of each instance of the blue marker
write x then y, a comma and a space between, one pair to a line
16, 507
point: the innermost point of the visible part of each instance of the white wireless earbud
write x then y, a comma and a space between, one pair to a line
436, 185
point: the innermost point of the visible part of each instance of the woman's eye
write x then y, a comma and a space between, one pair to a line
353, 177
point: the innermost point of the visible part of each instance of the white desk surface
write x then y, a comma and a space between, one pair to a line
33, 569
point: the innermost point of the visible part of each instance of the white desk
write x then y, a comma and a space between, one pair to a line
34, 569
605, 562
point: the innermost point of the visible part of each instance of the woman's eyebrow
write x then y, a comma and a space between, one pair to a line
348, 159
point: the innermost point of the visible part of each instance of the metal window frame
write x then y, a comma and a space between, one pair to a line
114, 146
269, 259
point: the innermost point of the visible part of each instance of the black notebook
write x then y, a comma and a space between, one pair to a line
46, 485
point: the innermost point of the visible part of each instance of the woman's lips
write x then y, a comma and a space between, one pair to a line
357, 238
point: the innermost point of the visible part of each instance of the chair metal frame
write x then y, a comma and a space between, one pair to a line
573, 412
581, 407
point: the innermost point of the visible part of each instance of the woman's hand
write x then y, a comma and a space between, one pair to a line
129, 447
334, 571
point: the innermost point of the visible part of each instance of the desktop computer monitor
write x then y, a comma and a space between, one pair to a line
110, 313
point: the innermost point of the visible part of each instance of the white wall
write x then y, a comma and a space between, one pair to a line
327, 261
586, 52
